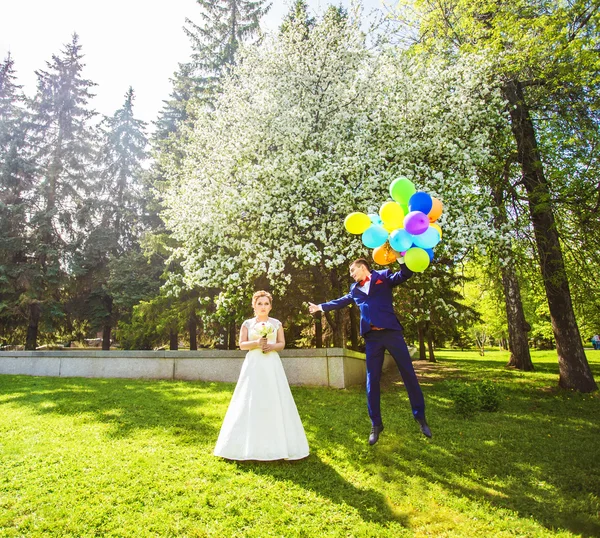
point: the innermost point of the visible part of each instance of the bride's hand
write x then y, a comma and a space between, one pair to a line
262, 343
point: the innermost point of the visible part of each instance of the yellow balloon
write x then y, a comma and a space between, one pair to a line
357, 223
392, 215
437, 227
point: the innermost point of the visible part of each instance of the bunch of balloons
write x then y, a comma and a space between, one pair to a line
405, 229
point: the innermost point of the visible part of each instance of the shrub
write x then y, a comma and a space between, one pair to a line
469, 398
489, 397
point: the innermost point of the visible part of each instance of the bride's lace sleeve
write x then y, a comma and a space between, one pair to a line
276, 323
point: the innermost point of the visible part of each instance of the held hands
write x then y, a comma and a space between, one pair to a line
264, 345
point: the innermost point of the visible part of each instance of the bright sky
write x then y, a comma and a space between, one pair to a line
126, 43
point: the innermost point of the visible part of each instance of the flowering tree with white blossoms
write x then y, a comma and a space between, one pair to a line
310, 126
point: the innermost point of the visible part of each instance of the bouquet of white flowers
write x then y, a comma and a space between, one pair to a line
264, 329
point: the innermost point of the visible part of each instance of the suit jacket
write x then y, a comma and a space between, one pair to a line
376, 307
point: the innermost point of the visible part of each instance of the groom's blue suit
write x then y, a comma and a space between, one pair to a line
382, 330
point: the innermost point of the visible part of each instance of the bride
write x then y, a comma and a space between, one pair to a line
262, 422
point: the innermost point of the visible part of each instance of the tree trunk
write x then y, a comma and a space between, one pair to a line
337, 327
193, 328
106, 330
429, 334
354, 327
173, 340
319, 330
420, 331
32, 328
518, 342
574, 369
337, 320
520, 357
231, 336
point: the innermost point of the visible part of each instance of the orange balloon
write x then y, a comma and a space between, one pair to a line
384, 255
436, 209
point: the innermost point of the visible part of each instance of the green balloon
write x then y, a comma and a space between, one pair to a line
401, 189
416, 259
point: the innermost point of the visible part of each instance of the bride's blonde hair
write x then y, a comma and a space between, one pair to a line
259, 294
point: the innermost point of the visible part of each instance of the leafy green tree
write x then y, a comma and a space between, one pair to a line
432, 304
310, 127
511, 222
542, 51
133, 278
177, 108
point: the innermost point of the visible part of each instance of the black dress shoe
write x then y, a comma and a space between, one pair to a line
425, 430
375, 431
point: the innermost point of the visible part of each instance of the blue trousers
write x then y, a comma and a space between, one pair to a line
377, 342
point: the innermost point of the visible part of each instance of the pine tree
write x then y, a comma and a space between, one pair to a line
176, 110
65, 144
123, 151
15, 187
225, 24
119, 203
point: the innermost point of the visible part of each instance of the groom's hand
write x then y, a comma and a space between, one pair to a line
314, 308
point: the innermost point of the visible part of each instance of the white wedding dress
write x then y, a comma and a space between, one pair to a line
262, 421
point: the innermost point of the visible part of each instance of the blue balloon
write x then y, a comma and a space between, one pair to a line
374, 236
401, 240
375, 218
420, 201
430, 252
428, 239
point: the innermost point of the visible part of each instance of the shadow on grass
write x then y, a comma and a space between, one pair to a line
537, 457
543, 362
186, 410
314, 475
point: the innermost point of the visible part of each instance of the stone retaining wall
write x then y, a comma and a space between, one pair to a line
333, 367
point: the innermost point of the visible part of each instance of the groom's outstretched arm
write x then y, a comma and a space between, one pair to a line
336, 304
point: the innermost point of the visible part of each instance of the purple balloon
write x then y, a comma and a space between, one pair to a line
416, 222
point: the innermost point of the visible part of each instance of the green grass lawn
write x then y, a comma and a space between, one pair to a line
94, 457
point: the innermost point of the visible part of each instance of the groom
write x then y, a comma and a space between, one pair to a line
372, 292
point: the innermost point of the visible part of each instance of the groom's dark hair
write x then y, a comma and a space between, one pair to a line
361, 261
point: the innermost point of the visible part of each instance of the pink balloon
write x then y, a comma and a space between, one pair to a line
416, 222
